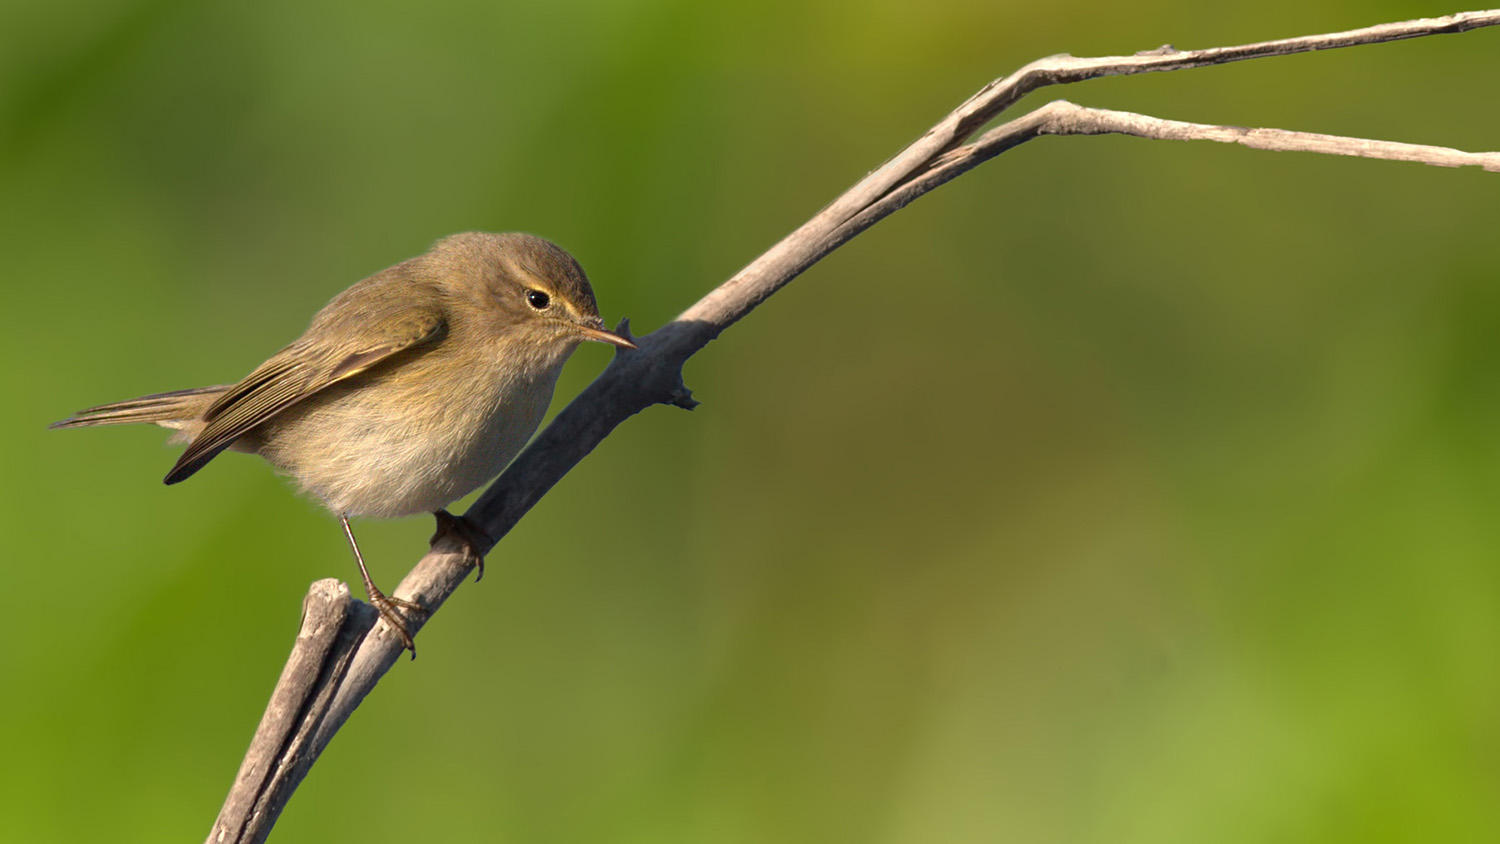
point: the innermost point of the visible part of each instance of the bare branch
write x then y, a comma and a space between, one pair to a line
1001, 94
1061, 117
329, 675
333, 624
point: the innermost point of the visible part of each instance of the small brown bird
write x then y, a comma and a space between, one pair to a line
408, 391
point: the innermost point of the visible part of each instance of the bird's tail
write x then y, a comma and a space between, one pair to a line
171, 410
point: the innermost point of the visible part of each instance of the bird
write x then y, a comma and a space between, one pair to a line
407, 391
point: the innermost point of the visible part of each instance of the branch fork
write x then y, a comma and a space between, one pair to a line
344, 648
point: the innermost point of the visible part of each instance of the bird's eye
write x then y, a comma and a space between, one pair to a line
537, 299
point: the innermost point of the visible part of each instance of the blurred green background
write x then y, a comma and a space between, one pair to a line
1120, 491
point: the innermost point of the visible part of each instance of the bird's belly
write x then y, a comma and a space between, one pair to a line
397, 459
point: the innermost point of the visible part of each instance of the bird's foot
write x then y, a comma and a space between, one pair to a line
390, 608
467, 534
394, 610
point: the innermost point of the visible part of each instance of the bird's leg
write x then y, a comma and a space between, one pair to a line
390, 608
468, 535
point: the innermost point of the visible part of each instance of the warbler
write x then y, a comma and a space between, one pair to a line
407, 392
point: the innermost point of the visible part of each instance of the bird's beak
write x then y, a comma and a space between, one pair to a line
606, 336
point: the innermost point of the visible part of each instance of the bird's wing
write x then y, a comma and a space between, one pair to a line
341, 343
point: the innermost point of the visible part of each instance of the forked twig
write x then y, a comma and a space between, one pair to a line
343, 651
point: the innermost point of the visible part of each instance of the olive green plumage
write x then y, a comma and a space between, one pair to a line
408, 390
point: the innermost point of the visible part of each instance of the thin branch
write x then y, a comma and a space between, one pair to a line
1001, 94
1061, 117
332, 674
333, 625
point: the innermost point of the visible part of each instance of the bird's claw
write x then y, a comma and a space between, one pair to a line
467, 534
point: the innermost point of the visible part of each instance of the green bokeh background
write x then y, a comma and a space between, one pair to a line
1120, 491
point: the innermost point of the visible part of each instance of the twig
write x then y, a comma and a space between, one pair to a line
330, 674
333, 624
1061, 117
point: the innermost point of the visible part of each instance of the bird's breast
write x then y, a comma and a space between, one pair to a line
409, 441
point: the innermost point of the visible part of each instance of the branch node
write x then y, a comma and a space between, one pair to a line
683, 397
623, 329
